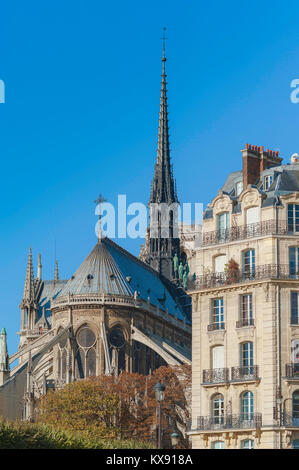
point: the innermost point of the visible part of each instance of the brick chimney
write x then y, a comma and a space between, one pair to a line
255, 161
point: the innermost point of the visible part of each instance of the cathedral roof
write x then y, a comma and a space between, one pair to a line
49, 291
111, 269
99, 273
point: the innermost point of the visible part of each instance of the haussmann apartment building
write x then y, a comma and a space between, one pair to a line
245, 353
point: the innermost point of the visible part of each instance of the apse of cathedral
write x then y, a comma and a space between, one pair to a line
116, 313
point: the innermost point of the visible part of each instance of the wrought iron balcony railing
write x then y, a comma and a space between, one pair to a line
242, 374
242, 421
265, 271
213, 376
267, 227
292, 371
245, 322
291, 420
216, 326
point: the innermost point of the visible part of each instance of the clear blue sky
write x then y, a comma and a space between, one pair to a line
81, 113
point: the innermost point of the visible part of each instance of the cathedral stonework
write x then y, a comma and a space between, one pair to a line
116, 313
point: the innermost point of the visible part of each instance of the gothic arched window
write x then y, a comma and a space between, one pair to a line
117, 342
86, 353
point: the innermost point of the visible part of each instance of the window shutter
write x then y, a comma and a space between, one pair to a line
218, 357
252, 215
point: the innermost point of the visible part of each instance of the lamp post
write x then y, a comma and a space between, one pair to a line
159, 390
174, 439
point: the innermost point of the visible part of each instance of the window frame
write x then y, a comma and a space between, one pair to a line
248, 267
266, 184
246, 314
293, 218
217, 313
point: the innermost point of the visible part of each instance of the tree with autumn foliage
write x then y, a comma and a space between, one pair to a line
123, 406
83, 406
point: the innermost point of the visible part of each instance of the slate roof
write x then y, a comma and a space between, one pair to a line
99, 273
49, 291
111, 269
285, 181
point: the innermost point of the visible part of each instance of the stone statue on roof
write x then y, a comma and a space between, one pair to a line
181, 271
175, 265
187, 267
185, 280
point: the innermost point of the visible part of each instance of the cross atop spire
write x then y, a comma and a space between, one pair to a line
163, 184
160, 248
99, 201
164, 39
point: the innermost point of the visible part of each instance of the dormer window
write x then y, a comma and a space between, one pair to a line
239, 188
268, 180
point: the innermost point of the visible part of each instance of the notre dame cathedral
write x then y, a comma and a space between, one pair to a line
116, 313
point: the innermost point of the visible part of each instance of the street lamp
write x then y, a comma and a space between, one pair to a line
159, 390
174, 439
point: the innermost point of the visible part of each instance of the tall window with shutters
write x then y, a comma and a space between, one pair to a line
248, 263
246, 316
294, 261
217, 314
294, 308
293, 218
222, 222
252, 219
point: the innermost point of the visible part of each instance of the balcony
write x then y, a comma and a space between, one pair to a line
215, 376
291, 420
267, 227
242, 421
262, 272
244, 374
292, 371
244, 322
216, 326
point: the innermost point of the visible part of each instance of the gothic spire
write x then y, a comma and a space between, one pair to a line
28, 294
39, 267
163, 184
56, 275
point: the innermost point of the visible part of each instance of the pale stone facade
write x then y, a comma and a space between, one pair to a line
245, 377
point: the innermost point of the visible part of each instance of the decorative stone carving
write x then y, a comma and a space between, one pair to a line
222, 205
250, 199
216, 336
245, 333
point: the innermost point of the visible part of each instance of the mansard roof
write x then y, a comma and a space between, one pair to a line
285, 181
